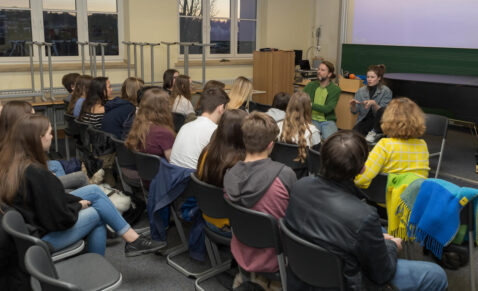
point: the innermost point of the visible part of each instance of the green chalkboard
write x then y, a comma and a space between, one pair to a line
408, 59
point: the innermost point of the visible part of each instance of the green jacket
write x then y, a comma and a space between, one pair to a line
333, 94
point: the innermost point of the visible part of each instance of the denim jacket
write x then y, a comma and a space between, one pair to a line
382, 96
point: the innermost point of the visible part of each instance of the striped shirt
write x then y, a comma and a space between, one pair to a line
94, 119
393, 155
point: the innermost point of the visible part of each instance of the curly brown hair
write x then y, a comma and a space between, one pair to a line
403, 119
298, 116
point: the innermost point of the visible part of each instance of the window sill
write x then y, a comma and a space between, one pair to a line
216, 62
61, 67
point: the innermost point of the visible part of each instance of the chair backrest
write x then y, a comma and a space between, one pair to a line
313, 161
254, 106
286, 153
125, 156
437, 125
72, 128
311, 263
377, 189
253, 228
210, 198
40, 266
14, 224
178, 120
100, 142
84, 135
147, 165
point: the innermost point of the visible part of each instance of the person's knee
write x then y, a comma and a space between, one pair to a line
436, 276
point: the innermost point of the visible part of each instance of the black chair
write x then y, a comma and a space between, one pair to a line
148, 166
286, 153
83, 144
126, 166
258, 230
377, 190
310, 263
437, 125
254, 106
71, 130
178, 120
313, 161
14, 224
86, 272
210, 200
100, 143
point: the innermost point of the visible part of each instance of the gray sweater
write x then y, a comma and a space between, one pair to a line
382, 96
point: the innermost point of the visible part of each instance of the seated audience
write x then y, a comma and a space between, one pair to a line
224, 150
403, 151
195, 135
297, 127
181, 96
324, 95
213, 83
68, 81
152, 131
93, 108
260, 184
118, 109
55, 216
169, 78
370, 102
241, 92
79, 94
339, 221
279, 106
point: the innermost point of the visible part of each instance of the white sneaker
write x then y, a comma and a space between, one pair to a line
372, 136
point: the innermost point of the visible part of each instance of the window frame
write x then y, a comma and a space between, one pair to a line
206, 31
38, 33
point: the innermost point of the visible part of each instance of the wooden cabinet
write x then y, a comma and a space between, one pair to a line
273, 72
345, 119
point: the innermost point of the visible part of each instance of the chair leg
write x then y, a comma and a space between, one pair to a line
67, 148
282, 271
440, 158
217, 265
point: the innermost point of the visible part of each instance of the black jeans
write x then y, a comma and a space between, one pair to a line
371, 121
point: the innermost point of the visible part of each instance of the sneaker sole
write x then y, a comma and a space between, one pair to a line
142, 252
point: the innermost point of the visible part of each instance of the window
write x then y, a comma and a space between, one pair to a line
229, 24
60, 22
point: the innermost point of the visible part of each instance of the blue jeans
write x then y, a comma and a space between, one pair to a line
419, 275
326, 128
56, 168
101, 212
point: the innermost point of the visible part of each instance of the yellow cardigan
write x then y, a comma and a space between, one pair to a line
396, 156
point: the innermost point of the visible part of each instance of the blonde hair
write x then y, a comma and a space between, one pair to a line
241, 91
298, 116
403, 119
130, 88
154, 109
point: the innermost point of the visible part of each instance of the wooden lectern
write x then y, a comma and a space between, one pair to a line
273, 72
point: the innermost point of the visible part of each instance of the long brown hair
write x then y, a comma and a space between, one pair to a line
224, 150
153, 109
12, 111
181, 87
97, 95
81, 90
21, 147
298, 116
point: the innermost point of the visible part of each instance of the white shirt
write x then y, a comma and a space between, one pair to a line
190, 141
277, 114
312, 139
182, 105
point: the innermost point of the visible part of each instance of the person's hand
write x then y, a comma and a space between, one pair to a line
84, 204
368, 103
396, 240
354, 102
387, 236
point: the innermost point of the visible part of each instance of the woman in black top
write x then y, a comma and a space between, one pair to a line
55, 216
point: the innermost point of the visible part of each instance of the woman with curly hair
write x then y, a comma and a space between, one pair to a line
402, 151
297, 127
153, 130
